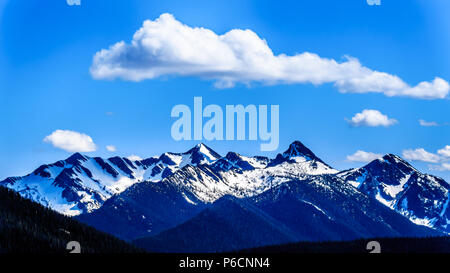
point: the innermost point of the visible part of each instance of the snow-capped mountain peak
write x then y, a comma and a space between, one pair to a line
75, 159
297, 149
171, 162
202, 154
305, 160
395, 183
239, 163
395, 161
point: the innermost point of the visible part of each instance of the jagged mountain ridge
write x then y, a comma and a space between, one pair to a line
423, 198
198, 186
81, 184
317, 208
202, 176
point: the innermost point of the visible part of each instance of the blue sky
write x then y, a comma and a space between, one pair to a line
47, 50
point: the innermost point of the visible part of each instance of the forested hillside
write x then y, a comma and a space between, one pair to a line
26, 226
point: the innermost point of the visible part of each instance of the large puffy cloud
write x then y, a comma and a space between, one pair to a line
362, 156
421, 154
371, 118
165, 46
71, 141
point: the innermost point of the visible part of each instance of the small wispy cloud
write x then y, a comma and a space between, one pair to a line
111, 148
425, 123
441, 158
71, 141
441, 167
371, 118
73, 2
428, 123
362, 156
134, 157
445, 152
420, 154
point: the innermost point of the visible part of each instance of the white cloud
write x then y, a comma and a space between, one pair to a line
362, 156
73, 2
428, 123
371, 118
71, 141
420, 154
134, 157
445, 152
165, 46
442, 167
111, 148
442, 157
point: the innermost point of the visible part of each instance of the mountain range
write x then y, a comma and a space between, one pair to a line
201, 201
